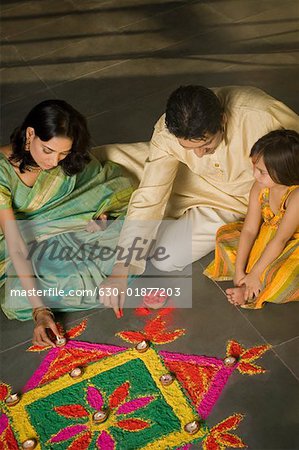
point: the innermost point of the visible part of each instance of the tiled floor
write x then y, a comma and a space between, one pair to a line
117, 61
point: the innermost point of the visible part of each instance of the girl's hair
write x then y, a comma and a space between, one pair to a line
53, 118
280, 151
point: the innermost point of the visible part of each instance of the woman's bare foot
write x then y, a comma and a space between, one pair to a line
236, 295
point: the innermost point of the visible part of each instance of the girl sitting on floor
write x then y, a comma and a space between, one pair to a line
261, 255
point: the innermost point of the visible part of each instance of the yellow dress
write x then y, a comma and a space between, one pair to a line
280, 280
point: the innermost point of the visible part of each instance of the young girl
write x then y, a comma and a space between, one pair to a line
265, 268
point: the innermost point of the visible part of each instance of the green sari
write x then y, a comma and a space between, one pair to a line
52, 215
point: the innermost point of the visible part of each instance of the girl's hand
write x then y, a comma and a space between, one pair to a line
100, 224
239, 275
253, 285
44, 320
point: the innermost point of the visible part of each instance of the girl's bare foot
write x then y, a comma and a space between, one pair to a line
236, 295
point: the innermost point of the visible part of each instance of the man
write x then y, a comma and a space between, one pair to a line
199, 155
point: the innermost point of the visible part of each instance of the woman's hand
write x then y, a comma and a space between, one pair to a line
44, 321
239, 275
253, 285
100, 224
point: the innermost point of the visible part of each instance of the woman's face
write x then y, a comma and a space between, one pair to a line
261, 173
48, 154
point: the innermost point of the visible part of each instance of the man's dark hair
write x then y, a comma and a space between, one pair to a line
49, 119
192, 112
280, 152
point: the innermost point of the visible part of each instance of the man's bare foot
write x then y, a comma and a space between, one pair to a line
236, 295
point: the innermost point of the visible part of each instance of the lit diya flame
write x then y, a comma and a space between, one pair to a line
100, 416
167, 379
142, 346
12, 399
76, 373
29, 443
192, 427
230, 361
60, 341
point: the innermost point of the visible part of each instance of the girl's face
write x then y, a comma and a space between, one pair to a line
48, 154
261, 174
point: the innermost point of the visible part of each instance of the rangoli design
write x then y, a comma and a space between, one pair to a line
96, 396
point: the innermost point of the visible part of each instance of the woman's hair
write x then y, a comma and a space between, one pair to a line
280, 152
53, 118
192, 112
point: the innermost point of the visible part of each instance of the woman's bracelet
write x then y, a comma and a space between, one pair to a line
36, 312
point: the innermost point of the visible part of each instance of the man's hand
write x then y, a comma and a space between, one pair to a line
40, 337
113, 289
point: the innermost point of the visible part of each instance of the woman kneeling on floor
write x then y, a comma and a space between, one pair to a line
51, 191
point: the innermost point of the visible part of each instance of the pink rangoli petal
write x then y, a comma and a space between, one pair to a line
68, 433
3, 422
105, 441
94, 398
133, 405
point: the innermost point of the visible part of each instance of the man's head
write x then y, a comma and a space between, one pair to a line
195, 116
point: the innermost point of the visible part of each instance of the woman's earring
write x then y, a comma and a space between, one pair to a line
27, 145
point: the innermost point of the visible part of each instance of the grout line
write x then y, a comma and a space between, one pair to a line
100, 310
286, 342
186, 4
46, 22
245, 317
50, 87
22, 97
44, 82
9, 36
285, 364
264, 21
272, 348
12, 7
75, 6
26, 65
123, 27
127, 105
151, 54
15, 346
240, 312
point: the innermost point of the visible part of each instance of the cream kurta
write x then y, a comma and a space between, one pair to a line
221, 180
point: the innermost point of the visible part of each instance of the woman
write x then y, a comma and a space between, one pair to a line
50, 189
